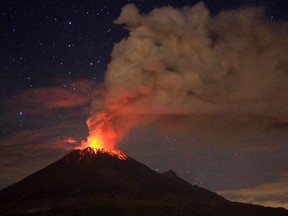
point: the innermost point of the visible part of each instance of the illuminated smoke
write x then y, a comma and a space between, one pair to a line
187, 62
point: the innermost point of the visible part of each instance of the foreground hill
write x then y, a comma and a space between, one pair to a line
108, 182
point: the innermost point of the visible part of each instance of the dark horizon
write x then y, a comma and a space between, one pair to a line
68, 186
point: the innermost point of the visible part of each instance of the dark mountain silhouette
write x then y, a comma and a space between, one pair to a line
104, 182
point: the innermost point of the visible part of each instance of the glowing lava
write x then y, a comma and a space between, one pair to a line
95, 141
101, 133
101, 139
98, 152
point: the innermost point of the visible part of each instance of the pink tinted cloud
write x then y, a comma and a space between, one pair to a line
71, 94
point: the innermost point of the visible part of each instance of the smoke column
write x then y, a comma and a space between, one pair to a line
187, 62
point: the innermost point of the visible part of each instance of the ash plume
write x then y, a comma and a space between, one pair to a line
188, 62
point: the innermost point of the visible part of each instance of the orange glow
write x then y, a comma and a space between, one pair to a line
102, 138
95, 140
70, 140
94, 152
101, 133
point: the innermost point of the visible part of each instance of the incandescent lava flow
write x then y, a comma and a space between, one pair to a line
94, 152
101, 139
101, 133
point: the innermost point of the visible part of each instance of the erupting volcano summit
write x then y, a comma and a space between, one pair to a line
97, 152
108, 182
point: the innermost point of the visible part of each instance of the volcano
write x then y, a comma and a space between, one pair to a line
108, 182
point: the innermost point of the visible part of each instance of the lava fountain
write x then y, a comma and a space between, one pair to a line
102, 138
101, 133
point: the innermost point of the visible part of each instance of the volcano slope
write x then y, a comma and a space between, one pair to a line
108, 182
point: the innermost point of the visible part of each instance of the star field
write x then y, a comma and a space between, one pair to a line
52, 40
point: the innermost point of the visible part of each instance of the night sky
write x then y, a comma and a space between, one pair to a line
53, 59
